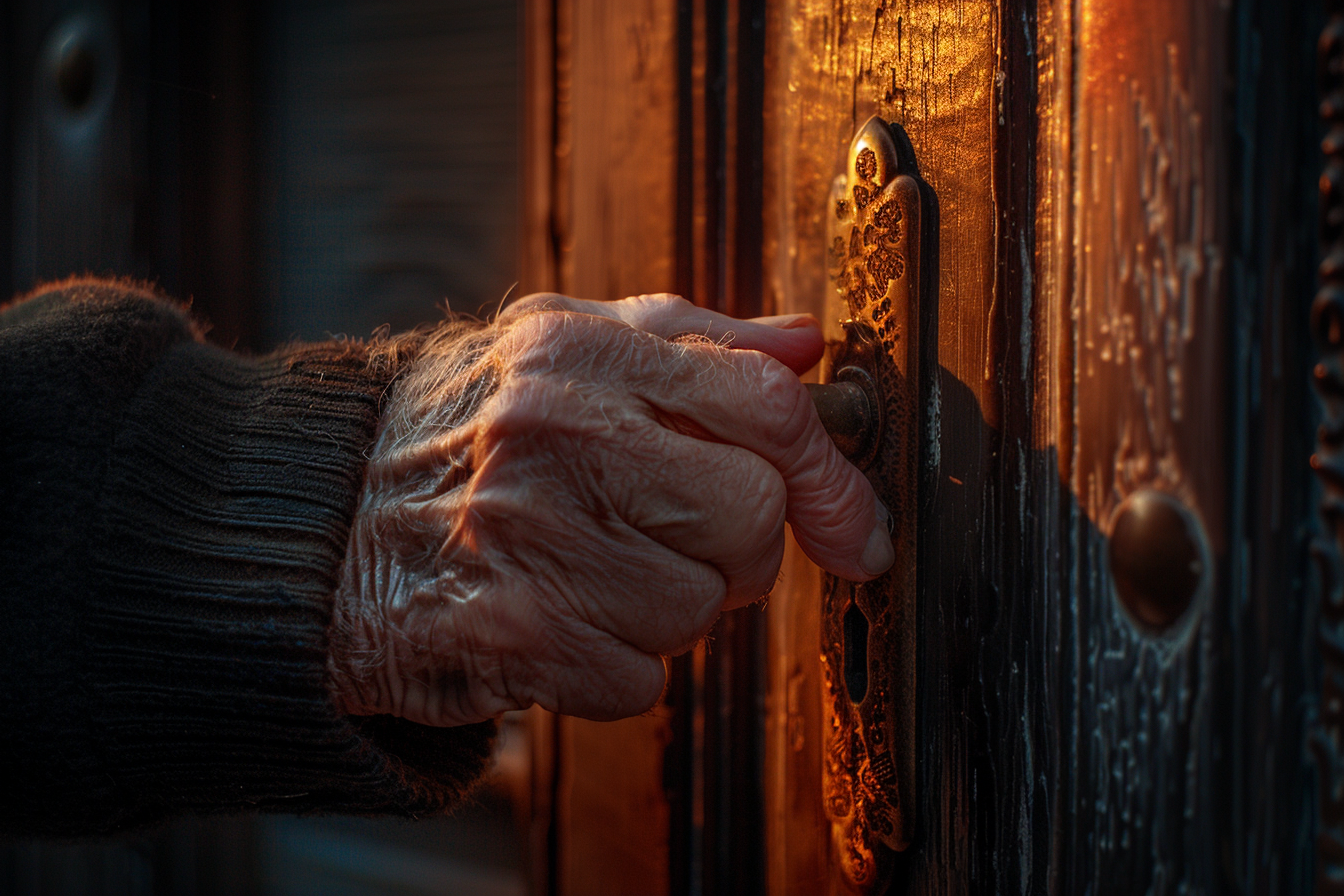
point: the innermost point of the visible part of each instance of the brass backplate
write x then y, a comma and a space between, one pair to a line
883, 263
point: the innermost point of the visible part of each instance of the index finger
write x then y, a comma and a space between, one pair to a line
794, 340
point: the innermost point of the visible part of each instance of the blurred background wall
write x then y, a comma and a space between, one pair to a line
297, 169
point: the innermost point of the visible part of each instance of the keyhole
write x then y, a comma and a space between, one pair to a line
856, 653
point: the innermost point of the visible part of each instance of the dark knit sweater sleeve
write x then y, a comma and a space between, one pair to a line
173, 518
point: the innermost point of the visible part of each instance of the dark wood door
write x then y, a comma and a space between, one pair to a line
1116, 669
1126, 262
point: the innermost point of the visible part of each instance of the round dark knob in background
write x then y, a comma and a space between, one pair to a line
76, 72
1158, 557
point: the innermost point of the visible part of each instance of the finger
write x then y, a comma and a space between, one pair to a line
794, 340
712, 502
741, 398
610, 578
706, 500
636, 589
757, 404
521, 651
567, 538
600, 677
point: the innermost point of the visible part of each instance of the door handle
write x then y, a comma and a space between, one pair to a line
882, 260
850, 414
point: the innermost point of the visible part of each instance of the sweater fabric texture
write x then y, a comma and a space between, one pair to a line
173, 519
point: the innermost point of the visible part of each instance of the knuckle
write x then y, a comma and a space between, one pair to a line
533, 303
538, 408
659, 301
646, 310
691, 611
756, 579
708, 614
523, 408
781, 398
842, 480
770, 498
847, 507
532, 341
629, 691
753, 492
552, 340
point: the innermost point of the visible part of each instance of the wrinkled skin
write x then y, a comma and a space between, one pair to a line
619, 487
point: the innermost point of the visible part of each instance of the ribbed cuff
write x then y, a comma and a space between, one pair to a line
218, 540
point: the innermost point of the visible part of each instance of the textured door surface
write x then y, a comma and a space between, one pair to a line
1126, 250
1116, 670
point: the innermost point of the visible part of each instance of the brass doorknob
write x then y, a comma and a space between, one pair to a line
849, 416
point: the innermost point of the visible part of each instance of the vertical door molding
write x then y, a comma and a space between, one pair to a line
1327, 322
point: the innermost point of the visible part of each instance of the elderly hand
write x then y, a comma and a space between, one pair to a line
558, 500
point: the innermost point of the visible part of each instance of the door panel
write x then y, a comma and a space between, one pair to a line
1151, 357
1116, 673
1102, 332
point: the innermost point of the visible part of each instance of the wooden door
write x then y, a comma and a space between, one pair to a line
1116, 666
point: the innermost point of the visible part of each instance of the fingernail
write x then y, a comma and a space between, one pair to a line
884, 518
879, 553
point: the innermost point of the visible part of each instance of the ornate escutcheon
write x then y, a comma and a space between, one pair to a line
883, 263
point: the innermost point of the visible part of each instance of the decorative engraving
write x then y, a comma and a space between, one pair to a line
1327, 327
868, 253
882, 229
